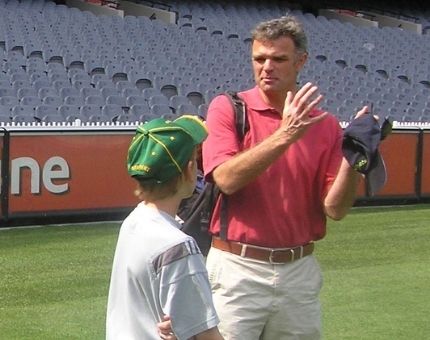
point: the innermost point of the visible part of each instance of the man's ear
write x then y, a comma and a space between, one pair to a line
301, 59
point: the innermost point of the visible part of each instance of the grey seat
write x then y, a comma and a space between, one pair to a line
95, 99
186, 109
9, 100
43, 110
127, 118
52, 100
160, 110
112, 110
68, 91
46, 91
136, 99
158, 99
30, 100
90, 109
74, 100
27, 110
176, 100
150, 92
68, 110
139, 109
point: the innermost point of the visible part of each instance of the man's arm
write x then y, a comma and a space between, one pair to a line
342, 194
240, 170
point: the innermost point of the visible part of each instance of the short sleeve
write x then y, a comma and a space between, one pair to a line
185, 295
222, 141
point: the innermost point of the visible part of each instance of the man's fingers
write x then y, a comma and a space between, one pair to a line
364, 110
318, 118
311, 105
300, 93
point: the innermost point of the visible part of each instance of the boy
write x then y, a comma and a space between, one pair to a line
158, 270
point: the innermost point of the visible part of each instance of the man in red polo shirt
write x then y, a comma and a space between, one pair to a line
281, 182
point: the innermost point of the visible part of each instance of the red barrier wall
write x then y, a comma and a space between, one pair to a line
425, 177
79, 171
91, 173
399, 151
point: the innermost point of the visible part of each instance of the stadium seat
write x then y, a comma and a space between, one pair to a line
41, 82
136, 99
126, 118
149, 92
109, 111
43, 110
140, 109
23, 110
186, 109
202, 110
26, 92
61, 83
196, 98
68, 91
22, 118
109, 91
9, 101
143, 83
89, 91
30, 100
95, 99
78, 84
116, 99
176, 100
160, 110
158, 99
55, 117
67, 110
90, 109
52, 100
74, 100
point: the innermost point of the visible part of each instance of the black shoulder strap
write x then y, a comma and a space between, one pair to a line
242, 126
239, 106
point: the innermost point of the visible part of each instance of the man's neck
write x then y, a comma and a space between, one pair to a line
276, 99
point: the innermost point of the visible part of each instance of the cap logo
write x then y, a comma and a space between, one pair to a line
140, 167
361, 164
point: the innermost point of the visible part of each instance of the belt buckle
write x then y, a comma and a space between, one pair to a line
272, 252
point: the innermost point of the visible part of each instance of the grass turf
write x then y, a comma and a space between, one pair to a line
54, 280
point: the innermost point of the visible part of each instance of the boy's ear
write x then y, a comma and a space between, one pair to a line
188, 170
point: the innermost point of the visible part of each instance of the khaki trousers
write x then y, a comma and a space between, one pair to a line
262, 301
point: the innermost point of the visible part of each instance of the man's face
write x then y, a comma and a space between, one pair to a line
276, 64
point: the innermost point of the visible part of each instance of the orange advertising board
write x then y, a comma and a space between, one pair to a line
399, 151
61, 172
69, 172
425, 174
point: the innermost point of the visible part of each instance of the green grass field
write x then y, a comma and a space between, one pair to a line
54, 280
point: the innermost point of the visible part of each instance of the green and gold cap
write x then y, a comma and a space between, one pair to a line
161, 148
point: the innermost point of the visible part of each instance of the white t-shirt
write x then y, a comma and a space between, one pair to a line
157, 270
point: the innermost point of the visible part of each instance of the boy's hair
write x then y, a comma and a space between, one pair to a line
152, 191
286, 26
148, 190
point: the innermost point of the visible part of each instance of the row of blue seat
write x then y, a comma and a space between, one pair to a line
144, 53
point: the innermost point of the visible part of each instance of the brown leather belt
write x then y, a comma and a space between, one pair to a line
270, 255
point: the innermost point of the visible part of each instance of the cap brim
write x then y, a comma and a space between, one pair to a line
377, 177
194, 126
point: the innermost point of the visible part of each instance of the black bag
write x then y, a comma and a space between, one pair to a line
196, 211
